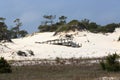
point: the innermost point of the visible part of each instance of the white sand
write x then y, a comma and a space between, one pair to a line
93, 45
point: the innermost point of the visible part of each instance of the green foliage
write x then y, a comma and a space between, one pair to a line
73, 22
16, 32
47, 28
23, 33
4, 66
71, 26
62, 19
60, 26
49, 18
92, 25
111, 63
111, 27
103, 65
3, 31
95, 28
85, 22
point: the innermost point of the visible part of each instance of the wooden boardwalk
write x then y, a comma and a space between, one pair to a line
55, 41
64, 42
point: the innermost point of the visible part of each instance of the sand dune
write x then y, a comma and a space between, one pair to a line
93, 45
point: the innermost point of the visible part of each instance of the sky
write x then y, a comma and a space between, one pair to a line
31, 12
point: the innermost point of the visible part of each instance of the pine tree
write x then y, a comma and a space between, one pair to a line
2, 31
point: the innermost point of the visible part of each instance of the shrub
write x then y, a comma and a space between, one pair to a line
21, 53
57, 60
31, 52
111, 63
102, 64
4, 66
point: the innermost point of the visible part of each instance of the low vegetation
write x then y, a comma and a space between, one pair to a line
4, 66
31, 53
21, 53
25, 53
73, 25
111, 63
73, 69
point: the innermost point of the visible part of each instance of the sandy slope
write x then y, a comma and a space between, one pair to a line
93, 45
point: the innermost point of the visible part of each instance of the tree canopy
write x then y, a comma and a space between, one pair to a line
84, 24
15, 32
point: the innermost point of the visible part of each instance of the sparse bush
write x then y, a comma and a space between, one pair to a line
57, 60
21, 53
4, 66
102, 64
111, 63
31, 52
